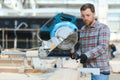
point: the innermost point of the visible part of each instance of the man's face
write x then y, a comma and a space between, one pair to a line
87, 16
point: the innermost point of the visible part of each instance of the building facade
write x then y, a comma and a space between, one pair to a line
107, 11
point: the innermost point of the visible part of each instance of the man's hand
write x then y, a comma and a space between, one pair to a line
75, 56
83, 58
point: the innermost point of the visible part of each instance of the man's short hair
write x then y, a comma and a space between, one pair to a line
86, 6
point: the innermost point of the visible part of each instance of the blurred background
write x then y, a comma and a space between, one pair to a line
20, 21
32, 14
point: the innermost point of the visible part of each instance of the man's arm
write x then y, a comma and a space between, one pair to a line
103, 42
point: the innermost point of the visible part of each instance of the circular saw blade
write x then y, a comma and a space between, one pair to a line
69, 42
66, 31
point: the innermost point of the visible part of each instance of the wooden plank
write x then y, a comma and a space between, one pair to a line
9, 69
15, 63
71, 63
29, 70
65, 74
115, 65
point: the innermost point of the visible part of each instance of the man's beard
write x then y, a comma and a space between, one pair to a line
90, 23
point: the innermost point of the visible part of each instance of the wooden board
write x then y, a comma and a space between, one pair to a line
65, 74
115, 64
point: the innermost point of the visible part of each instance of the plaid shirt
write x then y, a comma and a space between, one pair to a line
94, 42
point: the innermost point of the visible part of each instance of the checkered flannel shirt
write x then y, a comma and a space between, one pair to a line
94, 43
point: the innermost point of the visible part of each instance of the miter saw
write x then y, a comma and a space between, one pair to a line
60, 31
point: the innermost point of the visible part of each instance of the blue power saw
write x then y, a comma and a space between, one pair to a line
59, 31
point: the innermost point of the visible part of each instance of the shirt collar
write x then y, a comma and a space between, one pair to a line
93, 25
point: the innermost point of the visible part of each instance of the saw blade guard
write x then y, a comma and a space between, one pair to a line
48, 27
67, 31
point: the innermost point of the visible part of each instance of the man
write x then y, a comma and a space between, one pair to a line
93, 43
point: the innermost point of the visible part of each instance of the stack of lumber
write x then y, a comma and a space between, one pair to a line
69, 69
